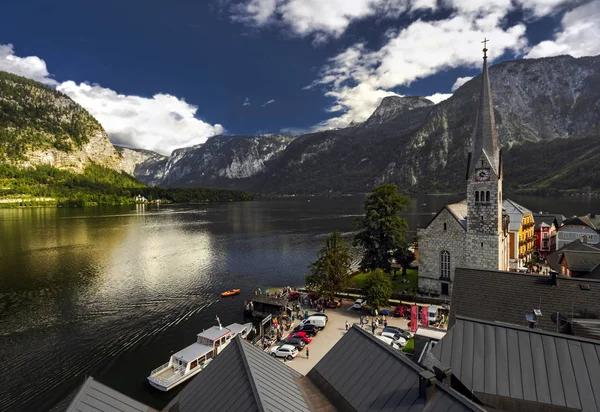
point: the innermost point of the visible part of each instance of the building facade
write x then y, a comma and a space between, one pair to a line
472, 233
546, 226
585, 228
520, 233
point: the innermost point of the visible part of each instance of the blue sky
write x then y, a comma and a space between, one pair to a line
167, 74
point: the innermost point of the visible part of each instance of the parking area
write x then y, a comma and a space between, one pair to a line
335, 329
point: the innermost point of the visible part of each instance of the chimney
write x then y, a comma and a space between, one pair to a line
443, 373
426, 385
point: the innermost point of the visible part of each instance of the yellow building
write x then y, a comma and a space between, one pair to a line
521, 234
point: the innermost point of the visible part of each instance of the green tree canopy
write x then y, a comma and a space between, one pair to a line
331, 270
377, 289
382, 233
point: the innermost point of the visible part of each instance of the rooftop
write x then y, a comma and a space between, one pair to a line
510, 296
96, 397
242, 378
574, 249
459, 211
192, 352
516, 212
590, 221
214, 332
361, 373
499, 361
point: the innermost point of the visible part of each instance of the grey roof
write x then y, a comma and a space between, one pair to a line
582, 221
553, 258
510, 296
493, 359
459, 211
192, 352
96, 397
546, 218
364, 374
485, 139
242, 378
580, 261
515, 212
214, 332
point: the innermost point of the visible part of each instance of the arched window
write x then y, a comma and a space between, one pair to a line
477, 196
481, 195
445, 264
487, 196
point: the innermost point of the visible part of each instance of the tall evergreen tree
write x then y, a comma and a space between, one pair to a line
331, 270
382, 233
377, 289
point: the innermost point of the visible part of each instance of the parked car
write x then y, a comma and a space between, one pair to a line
309, 329
359, 304
303, 336
397, 331
334, 304
295, 342
320, 314
318, 321
396, 344
293, 295
284, 351
401, 310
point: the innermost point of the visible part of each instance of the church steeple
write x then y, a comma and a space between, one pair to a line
485, 139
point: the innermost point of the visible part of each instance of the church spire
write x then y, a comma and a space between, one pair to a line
485, 140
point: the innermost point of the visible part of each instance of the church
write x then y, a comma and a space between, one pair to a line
472, 233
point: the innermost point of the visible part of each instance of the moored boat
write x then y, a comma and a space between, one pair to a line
189, 361
230, 293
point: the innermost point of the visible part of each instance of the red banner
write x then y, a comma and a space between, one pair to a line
424, 316
413, 319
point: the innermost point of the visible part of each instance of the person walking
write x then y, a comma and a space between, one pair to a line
346, 325
307, 352
373, 327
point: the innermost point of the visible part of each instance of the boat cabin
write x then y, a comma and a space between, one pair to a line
208, 345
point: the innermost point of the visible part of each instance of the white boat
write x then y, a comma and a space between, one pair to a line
189, 361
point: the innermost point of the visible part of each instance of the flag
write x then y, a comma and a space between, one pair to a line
413, 319
424, 316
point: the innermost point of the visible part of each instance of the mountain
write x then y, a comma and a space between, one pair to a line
546, 109
147, 166
42, 126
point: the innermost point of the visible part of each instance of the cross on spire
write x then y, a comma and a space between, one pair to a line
485, 47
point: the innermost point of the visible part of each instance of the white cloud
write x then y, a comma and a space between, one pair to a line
358, 78
161, 123
246, 102
580, 35
439, 97
459, 82
31, 67
268, 102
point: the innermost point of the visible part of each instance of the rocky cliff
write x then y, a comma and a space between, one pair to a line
41, 126
147, 166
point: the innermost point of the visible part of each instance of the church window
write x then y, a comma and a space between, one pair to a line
487, 196
444, 226
481, 244
477, 196
482, 218
481, 195
445, 264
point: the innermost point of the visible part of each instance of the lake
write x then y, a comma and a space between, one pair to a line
111, 292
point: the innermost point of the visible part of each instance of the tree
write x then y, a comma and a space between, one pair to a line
331, 270
381, 231
377, 289
404, 257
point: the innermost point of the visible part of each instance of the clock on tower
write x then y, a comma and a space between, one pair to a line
482, 175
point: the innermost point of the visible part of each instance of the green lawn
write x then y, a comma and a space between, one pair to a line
410, 346
358, 281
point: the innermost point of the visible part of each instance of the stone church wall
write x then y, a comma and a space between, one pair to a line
432, 241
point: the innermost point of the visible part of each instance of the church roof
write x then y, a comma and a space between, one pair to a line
485, 139
515, 212
459, 211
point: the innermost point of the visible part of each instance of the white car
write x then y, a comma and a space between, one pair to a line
359, 304
394, 343
284, 351
396, 333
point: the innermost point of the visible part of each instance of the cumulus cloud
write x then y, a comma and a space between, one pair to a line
246, 102
268, 102
161, 123
358, 78
459, 82
31, 67
580, 34
439, 97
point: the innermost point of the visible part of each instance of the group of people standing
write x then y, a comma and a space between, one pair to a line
375, 323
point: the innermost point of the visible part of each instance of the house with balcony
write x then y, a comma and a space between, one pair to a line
546, 226
521, 234
585, 228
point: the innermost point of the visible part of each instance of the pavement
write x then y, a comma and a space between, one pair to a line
333, 332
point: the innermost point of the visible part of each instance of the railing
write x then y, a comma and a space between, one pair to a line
168, 381
161, 367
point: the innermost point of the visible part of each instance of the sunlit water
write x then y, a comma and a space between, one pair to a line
112, 292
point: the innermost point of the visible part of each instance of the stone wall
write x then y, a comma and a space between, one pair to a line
432, 241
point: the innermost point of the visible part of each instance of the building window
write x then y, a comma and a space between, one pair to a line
444, 226
487, 196
445, 264
477, 196
482, 218
481, 195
